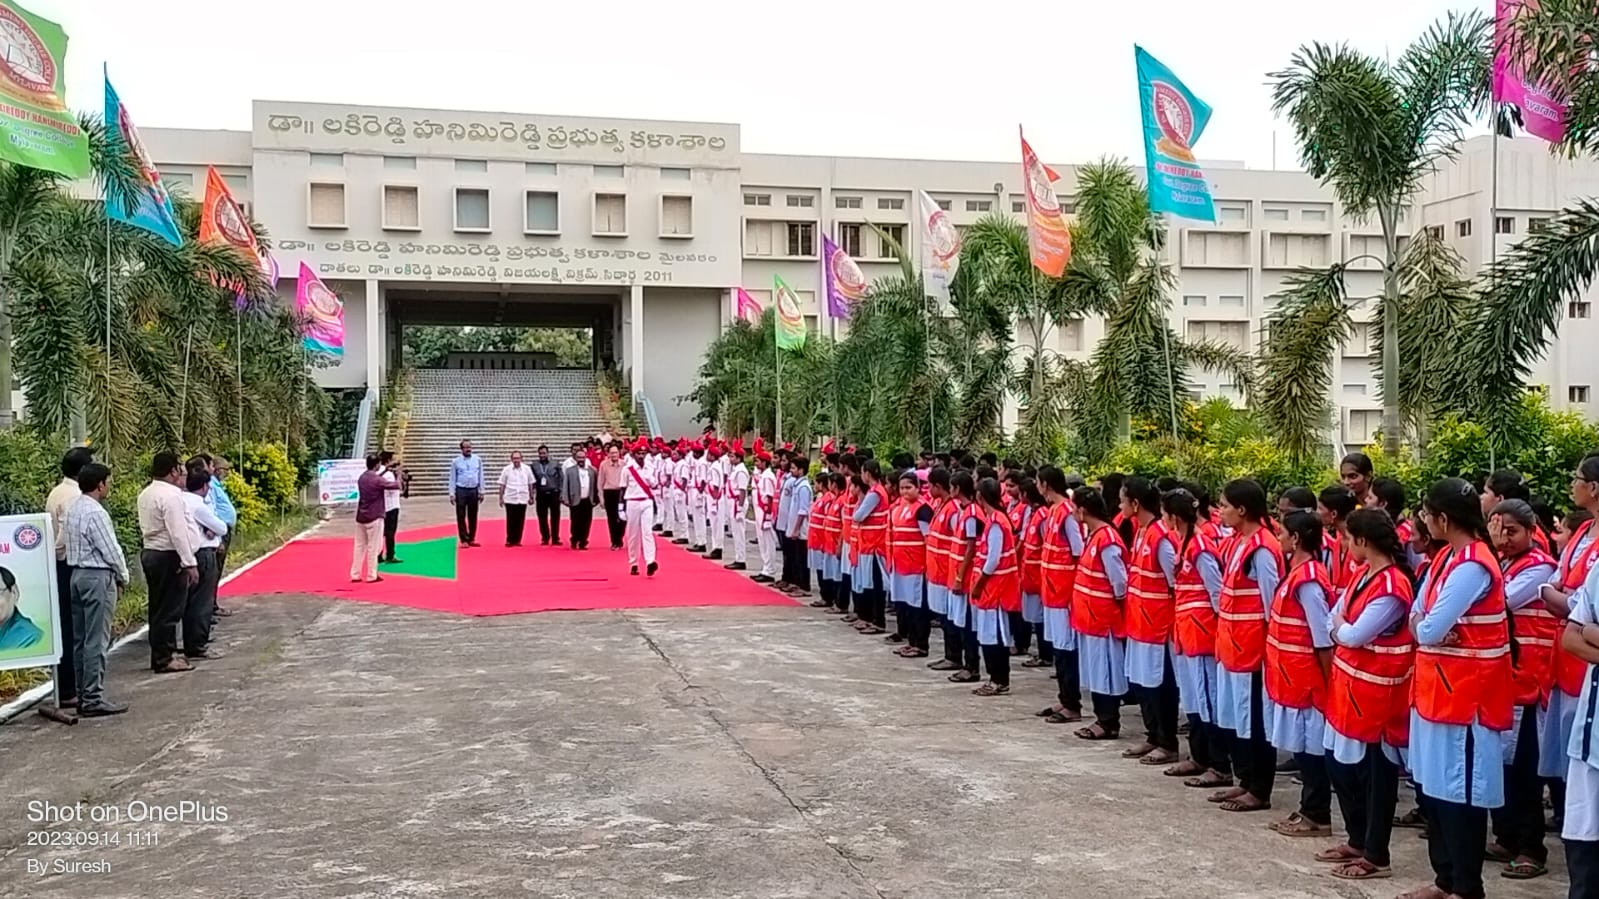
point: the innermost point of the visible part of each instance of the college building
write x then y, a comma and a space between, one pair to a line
638, 229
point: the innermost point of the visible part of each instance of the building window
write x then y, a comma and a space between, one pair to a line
1071, 335
677, 216
1536, 225
892, 235
1276, 214
1577, 393
237, 184
607, 171
472, 165
401, 211
1504, 224
1313, 215
1194, 300
1463, 228
1355, 389
944, 204
800, 201
1436, 232
471, 209
674, 174
1068, 205
1232, 391
1233, 334
801, 238
849, 239
757, 199
400, 163
610, 215
542, 212
1363, 425
760, 238
182, 180
1579, 309
327, 160
1233, 213
1018, 205
324, 207
842, 202
979, 205
890, 203
1232, 299
541, 169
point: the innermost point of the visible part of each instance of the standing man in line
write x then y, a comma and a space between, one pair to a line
765, 517
785, 515
206, 531
516, 487
663, 487
547, 497
696, 499
168, 559
580, 492
640, 500
466, 491
392, 474
716, 502
64, 496
99, 573
613, 483
218, 500
682, 530
738, 493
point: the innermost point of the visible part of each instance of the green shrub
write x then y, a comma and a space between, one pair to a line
268, 470
246, 500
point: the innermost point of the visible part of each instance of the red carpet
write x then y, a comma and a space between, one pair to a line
493, 579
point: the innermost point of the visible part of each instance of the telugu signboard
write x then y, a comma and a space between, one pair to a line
503, 263
30, 631
335, 480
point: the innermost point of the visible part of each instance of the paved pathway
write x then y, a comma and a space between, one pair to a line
363, 750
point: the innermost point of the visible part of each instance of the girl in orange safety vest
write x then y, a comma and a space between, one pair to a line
824, 546
1566, 671
1151, 608
1198, 591
964, 552
1025, 625
1099, 595
909, 521
1334, 504
996, 586
1062, 536
941, 543
870, 519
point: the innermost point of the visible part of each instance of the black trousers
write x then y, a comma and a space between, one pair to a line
466, 503
1159, 708
1582, 866
200, 606
971, 652
548, 509
66, 669
163, 574
1021, 631
1068, 681
918, 621
1456, 836
841, 593
515, 522
613, 516
1107, 712
1046, 650
1518, 826
1254, 761
1368, 793
582, 523
954, 641
1315, 792
796, 563
1211, 745
997, 657
391, 526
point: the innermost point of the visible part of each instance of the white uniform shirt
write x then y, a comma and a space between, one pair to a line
766, 492
518, 484
739, 483
391, 498
203, 521
715, 482
633, 489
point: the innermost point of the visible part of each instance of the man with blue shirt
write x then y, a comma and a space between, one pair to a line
466, 491
221, 505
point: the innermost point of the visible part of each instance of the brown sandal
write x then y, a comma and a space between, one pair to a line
992, 689
1297, 825
1360, 869
1226, 795
1245, 803
1343, 852
1095, 732
1158, 757
1209, 780
1184, 768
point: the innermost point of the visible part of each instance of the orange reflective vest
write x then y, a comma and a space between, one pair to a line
1368, 698
942, 543
1058, 567
969, 512
1094, 607
907, 549
871, 534
845, 508
824, 523
1340, 562
1003, 589
1150, 603
1468, 678
1032, 552
1536, 632
1194, 619
1241, 632
1293, 675
1568, 672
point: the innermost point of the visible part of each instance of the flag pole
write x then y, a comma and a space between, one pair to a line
777, 348
1171, 380
183, 400
107, 434
238, 349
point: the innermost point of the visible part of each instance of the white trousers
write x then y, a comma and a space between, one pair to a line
679, 512
368, 546
640, 516
718, 525
666, 511
766, 542
696, 518
737, 522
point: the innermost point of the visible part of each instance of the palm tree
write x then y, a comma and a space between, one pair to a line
738, 379
1372, 130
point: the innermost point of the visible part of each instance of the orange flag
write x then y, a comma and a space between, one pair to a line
222, 220
1047, 234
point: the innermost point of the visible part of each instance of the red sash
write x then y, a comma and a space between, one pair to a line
637, 479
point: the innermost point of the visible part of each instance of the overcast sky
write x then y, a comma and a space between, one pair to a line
912, 78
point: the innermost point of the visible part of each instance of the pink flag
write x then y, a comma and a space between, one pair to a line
1542, 111
745, 309
323, 314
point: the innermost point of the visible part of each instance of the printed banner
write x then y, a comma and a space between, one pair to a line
36, 127
1048, 238
790, 320
323, 314
745, 309
335, 480
1174, 119
941, 246
842, 279
30, 629
1542, 112
151, 207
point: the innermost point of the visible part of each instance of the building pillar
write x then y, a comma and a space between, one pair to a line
375, 344
636, 337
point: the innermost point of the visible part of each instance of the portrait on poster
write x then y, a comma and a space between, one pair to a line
30, 635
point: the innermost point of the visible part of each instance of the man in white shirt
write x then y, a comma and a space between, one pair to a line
167, 559
682, 531
638, 499
392, 474
61, 498
696, 498
663, 487
206, 531
516, 490
715, 494
738, 498
766, 517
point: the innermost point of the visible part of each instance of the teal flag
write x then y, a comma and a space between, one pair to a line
1174, 119
36, 127
150, 207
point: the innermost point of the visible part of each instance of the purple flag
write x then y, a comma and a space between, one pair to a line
844, 282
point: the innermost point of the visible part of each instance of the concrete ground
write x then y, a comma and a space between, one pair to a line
363, 750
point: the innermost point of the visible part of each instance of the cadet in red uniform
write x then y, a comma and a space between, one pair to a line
1062, 545
1198, 592
967, 530
941, 542
996, 587
909, 522
1334, 505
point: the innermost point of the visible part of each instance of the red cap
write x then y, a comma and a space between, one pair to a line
760, 446
788, 447
763, 455
737, 446
827, 447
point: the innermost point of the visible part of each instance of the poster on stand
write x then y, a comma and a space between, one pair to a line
30, 629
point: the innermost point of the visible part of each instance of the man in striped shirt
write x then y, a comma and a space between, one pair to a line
99, 572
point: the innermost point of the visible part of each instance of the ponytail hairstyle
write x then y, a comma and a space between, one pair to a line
840, 481
988, 491
1306, 530
1030, 492
1183, 506
1201, 497
1054, 479
939, 477
1092, 502
1143, 494
1376, 529
1508, 483
964, 486
1457, 503
873, 468
1297, 498
1249, 498
1110, 487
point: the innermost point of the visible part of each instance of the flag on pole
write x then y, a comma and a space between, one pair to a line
1048, 238
1543, 111
790, 321
842, 279
745, 309
221, 219
37, 129
1174, 119
151, 207
941, 246
322, 312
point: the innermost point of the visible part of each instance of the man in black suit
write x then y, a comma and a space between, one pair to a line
580, 491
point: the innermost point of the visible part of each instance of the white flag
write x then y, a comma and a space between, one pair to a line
941, 247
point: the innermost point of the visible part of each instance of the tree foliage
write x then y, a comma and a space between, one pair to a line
428, 346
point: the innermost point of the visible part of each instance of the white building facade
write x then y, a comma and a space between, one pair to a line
639, 229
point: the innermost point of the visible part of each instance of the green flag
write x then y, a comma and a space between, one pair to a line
790, 321
36, 127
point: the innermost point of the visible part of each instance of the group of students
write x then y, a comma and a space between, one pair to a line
1455, 645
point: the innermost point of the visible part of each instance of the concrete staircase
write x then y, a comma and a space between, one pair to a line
499, 411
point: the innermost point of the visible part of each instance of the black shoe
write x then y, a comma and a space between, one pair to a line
697, 549
1288, 765
716, 555
739, 566
394, 561
651, 569
680, 541
763, 579
102, 709
666, 534
634, 570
